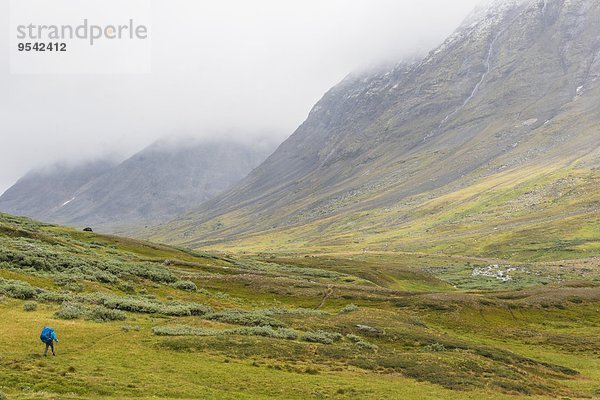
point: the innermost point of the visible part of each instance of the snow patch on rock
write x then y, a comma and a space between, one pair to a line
67, 202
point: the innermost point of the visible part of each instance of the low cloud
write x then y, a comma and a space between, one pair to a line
236, 68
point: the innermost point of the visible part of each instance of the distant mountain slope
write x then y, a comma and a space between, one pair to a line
43, 191
155, 184
514, 89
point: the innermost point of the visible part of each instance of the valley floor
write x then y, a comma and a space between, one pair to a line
140, 320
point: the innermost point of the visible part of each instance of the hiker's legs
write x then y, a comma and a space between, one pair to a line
49, 345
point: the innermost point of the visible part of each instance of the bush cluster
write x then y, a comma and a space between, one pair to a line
148, 305
30, 306
435, 347
129, 328
323, 337
73, 310
70, 311
111, 306
103, 314
240, 317
366, 345
185, 330
354, 338
292, 311
264, 331
187, 286
68, 268
69, 283
18, 289
349, 308
72, 302
55, 297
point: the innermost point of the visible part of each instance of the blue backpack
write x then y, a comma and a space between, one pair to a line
46, 334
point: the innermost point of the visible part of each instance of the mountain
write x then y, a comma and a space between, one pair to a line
156, 184
43, 191
488, 145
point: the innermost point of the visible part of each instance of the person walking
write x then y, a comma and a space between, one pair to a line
48, 337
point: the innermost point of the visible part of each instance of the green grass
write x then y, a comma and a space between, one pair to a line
536, 213
341, 325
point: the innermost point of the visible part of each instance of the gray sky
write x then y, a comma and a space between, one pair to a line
242, 68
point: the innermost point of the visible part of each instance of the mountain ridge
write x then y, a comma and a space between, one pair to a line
512, 88
155, 184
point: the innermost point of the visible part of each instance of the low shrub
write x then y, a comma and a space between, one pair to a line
354, 338
240, 317
75, 310
291, 311
512, 387
149, 271
311, 371
264, 331
3, 396
349, 308
323, 337
147, 305
55, 297
70, 311
183, 330
70, 282
30, 306
366, 345
18, 289
435, 347
47, 261
129, 328
187, 286
103, 314
126, 287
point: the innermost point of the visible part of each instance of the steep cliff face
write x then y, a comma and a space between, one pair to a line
515, 87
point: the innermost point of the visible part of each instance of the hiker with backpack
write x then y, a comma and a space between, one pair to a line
48, 337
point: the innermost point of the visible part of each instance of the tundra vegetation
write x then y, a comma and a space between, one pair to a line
257, 326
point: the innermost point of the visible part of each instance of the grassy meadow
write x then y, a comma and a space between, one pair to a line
142, 320
538, 213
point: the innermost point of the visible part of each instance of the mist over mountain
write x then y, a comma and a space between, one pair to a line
159, 182
430, 231
43, 191
252, 68
508, 102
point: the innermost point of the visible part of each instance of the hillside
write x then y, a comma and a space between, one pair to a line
43, 191
156, 184
142, 320
489, 146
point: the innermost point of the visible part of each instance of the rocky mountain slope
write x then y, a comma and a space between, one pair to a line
501, 120
43, 191
155, 184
